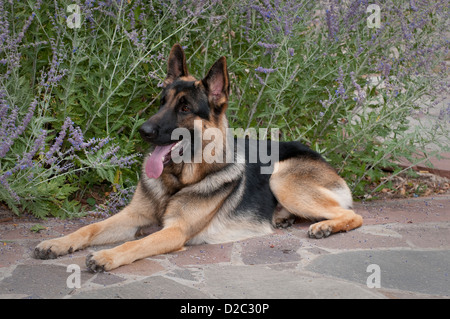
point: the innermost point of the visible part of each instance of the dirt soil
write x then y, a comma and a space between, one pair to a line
405, 185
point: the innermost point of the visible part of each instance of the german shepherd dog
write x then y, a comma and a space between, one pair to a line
210, 201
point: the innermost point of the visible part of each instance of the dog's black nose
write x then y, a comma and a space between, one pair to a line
148, 131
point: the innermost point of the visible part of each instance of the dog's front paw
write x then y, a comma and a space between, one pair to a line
100, 261
50, 249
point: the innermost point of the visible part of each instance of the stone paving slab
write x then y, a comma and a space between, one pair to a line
423, 271
156, 287
408, 239
261, 282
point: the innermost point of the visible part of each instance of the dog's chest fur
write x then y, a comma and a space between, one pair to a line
247, 206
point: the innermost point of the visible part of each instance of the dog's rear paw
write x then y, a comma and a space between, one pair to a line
284, 222
320, 230
282, 218
50, 249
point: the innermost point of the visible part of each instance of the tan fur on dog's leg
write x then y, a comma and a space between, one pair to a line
310, 189
120, 227
343, 220
164, 241
183, 219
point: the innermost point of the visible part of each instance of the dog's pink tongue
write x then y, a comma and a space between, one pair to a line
154, 165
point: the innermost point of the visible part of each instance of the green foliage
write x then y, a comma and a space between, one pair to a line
312, 69
37, 228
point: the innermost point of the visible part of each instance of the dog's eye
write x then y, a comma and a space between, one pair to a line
185, 109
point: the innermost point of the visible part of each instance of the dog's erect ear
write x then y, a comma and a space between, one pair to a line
217, 84
176, 65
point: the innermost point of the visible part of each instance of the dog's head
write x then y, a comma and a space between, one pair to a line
184, 101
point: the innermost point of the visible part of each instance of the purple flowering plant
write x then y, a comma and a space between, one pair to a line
41, 175
71, 99
363, 97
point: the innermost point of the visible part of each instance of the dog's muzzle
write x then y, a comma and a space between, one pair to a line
148, 131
